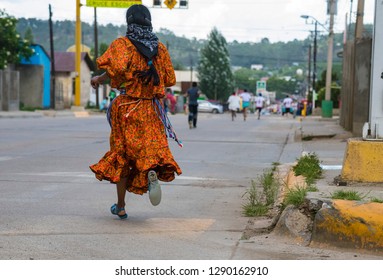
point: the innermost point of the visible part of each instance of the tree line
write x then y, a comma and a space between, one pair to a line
184, 51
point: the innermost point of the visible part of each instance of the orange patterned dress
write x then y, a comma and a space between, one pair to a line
138, 142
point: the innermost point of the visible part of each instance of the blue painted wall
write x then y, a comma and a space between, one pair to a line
40, 57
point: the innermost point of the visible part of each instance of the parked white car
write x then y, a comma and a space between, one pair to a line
207, 106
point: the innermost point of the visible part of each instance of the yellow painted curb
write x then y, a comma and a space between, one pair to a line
287, 181
350, 224
363, 161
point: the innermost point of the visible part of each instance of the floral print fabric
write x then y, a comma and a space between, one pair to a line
138, 140
122, 59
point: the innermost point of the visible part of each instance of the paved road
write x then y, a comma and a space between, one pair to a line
52, 207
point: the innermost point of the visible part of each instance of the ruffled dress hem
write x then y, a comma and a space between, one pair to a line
112, 167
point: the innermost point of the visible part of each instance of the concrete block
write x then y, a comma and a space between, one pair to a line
363, 161
350, 224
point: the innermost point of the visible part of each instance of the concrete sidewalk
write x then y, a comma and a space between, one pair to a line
340, 223
20, 114
76, 112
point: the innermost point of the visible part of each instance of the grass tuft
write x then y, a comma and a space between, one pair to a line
261, 195
347, 195
295, 196
309, 167
312, 188
255, 210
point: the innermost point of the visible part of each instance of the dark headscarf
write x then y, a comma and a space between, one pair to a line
140, 33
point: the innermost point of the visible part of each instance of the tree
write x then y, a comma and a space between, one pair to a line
335, 88
214, 71
280, 86
245, 78
12, 46
29, 35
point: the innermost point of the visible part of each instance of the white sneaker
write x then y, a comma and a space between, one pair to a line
154, 188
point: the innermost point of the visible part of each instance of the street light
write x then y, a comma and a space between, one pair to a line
315, 52
316, 22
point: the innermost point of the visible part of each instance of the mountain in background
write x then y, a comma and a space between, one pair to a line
184, 51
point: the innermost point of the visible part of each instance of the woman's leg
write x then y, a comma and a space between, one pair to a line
121, 192
244, 113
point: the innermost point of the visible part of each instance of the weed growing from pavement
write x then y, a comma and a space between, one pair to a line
312, 188
254, 206
377, 200
347, 195
274, 165
262, 194
307, 138
309, 167
295, 196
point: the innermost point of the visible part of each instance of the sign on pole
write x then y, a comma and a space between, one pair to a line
261, 86
170, 3
112, 3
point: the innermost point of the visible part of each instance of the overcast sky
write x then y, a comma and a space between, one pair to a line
241, 20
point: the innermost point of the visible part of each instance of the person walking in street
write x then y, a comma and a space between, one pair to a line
139, 66
192, 95
287, 102
104, 105
234, 104
172, 102
246, 97
259, 104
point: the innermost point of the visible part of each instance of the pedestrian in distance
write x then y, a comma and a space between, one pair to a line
287, 109
259, 104
192, 95
139, 66
246, 97
171, 101
104, 105
234, 102
112, 95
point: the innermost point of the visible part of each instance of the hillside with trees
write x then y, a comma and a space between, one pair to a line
184, 51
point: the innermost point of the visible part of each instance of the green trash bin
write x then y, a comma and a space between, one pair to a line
327, 106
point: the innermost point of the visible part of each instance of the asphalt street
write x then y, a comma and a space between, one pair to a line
52, 207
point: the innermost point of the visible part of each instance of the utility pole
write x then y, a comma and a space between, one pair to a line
327, 105
359, 20
77, 101
349, 24
53, 71
316, 22
315, 56
309, 72
191, 69
96, 50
